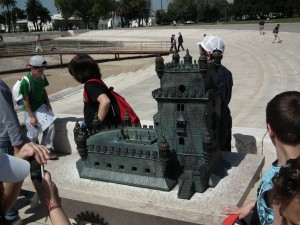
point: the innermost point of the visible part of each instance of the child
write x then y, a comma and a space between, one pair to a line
283, 124
276, 33
286, 192
209, 45
34, 96
173, 43
101, 102
38, 43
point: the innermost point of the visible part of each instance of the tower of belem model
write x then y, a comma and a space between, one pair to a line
182, 147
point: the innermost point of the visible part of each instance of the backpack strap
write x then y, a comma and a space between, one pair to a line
26, 78
85, 95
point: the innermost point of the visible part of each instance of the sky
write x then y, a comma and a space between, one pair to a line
49, 4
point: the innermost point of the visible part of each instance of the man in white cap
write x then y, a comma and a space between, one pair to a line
213, 44
35, 97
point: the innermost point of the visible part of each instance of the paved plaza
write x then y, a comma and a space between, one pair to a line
260, 70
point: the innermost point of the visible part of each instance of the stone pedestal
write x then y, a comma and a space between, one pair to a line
120, 204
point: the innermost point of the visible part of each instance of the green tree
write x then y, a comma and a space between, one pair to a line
183, 10
162, 17
37, 13
140, 10
8, 4
101, 9
123, 9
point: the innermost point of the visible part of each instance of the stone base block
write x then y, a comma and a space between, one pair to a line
121, 204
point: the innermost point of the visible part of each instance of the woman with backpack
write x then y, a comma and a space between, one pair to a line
99, 100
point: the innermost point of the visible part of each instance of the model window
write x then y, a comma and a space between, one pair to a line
181, 141
180, 107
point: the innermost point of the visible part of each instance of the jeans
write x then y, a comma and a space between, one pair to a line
7, 148
33, 133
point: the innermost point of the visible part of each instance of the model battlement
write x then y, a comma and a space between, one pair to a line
138, 136
174, 67
174, 93
183, 146
124, 151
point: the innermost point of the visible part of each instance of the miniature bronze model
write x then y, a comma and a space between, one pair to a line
183, 145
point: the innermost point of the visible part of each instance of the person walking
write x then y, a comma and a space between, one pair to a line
261, 27
180, 41
38, 43
276, 33
173, 43
1, 41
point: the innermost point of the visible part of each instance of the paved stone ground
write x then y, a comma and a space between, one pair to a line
260, 70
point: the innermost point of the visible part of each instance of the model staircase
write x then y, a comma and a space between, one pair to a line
186, 189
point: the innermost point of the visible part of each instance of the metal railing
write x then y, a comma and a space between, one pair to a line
81, 46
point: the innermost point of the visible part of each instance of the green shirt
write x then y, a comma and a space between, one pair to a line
36, 92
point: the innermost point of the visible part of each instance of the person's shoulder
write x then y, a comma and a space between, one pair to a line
223, 69
94, 84
3, 85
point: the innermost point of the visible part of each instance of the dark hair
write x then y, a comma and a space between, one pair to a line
283, 115
83, 67
287, 183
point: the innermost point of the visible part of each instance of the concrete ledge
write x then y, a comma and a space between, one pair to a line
133, 205
254, 141
121, 204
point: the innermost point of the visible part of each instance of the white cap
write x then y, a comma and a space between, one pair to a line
13, 169
211, 42
37, 60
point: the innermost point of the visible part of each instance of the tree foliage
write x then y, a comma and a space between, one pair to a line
214, 10
183, 10
7, 5
37, 13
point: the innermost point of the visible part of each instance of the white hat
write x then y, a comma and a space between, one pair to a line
211, 42
37, 60
13, 169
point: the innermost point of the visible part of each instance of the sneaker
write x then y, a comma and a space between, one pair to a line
53, 156
11, 215
18, 221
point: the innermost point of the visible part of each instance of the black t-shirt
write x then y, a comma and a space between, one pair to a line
93, 91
